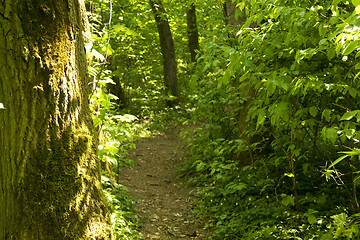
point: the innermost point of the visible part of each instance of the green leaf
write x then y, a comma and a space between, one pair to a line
322, 199
225, 79
357, 10
348, 115
322, 30
97, 55
92, 71
280, 110
261, 118
330, 134
353, 92
107, 48
339, 219
323, 43
313, 111
200, 166
236, 186
338, 160
290, 175
358, 53
328, 174
96, 121
356, 2
311, 219
287, 200
125, 118
215, 62
326, 114
349, 48
352, 153
327, 236
330, 53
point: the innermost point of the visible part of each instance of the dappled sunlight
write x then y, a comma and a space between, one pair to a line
162, 119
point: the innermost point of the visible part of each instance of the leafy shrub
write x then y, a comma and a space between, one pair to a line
294, 74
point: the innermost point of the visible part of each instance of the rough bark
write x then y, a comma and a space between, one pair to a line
49, 175
192, 32
167, 50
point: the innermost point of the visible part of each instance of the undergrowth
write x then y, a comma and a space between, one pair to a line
117, 133
256, 201
277, 155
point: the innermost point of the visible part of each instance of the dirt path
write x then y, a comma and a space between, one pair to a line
163, 205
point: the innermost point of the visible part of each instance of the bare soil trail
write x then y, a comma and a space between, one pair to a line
162, 201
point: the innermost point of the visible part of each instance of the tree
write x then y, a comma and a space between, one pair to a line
49, 174
167, 50
235, 18
232, 16
192, 30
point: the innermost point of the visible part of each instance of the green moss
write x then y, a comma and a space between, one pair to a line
61, 187
53, 185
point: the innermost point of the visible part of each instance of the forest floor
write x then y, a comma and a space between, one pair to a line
163, 201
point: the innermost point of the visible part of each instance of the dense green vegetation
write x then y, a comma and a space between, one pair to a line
276, 153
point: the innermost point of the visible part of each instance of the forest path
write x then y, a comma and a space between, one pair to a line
162, 200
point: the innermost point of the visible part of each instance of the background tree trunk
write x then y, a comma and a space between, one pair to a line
192, 32
230, 15
235, 24
49, 174
167, 50
116, 89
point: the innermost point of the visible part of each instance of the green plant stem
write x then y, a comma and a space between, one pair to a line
354, 197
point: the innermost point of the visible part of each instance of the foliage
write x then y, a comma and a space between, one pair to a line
124, 51
276, 155
117, 128
117, 133
122, 217
294, 72
135, 53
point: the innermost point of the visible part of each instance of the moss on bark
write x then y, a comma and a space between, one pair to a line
49, 174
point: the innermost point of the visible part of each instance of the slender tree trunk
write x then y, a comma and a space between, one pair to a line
167, 50
49, 175
230, 13
245, 157
116, 89
192, 32
231, 20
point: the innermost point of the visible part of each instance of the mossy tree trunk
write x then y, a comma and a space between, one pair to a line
167, 50
49, 175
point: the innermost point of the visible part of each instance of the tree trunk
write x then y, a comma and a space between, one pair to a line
49, 174
192, 32
167, 50
235, 23
116, 89
230, 15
